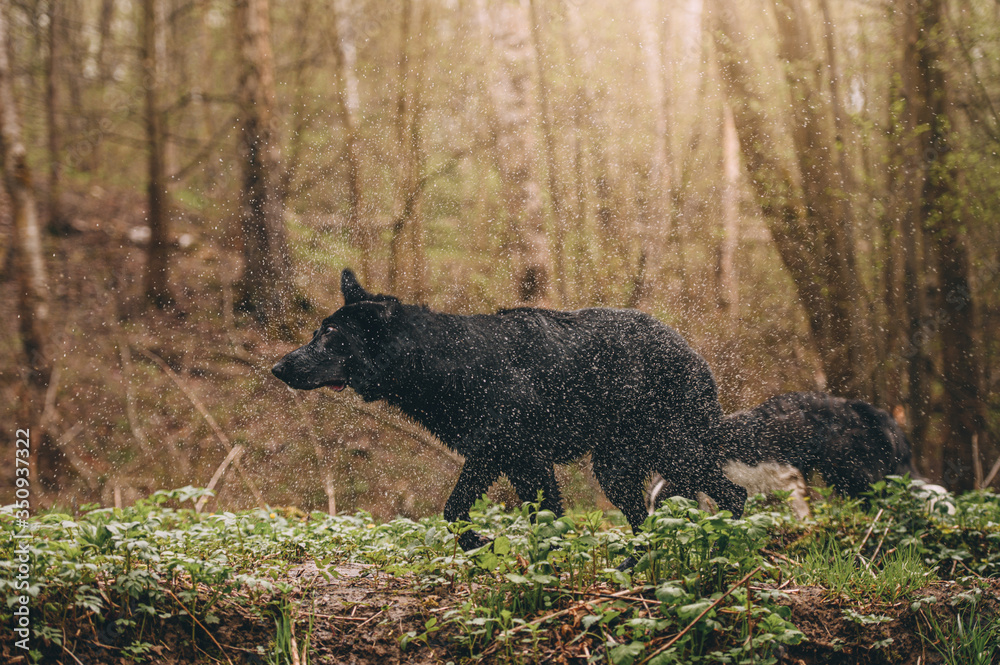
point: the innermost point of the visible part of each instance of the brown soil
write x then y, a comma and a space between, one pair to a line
833, 638
359, 615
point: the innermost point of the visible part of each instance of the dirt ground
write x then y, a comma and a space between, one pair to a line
831, 637
357, 617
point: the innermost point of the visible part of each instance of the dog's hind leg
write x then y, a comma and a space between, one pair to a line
527, 479
623, 485
727, 494
691, 476
476, 477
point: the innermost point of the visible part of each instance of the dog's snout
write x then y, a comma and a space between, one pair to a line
280, 370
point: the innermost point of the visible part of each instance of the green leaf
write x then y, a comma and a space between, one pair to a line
625, 654
689, 612
501, 545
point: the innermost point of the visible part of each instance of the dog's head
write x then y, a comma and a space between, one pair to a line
349, 348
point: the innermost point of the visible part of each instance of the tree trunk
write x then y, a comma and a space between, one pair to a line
551, 160
29, 268
804, 209
964, 415
103, 63
156, 277
845, 358
844, 174
362, 232
266, 284
512, 91
57, 222
657, 213
406, 268
943, 213
909, 175
729, 294
593, 170
103, 37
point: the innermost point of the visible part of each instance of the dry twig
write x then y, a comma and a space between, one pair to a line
195, 619
698, 618
553, 615
219, 434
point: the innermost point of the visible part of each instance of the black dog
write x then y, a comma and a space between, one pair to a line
523, 389
851, 443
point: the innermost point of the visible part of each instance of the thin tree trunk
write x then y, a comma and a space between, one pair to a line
104, 71
302, 115
513, 97
909, 183
594, 174
551, 162
202, 109
729, 294
406, 269
362, 232
74, 56
894, 314
57, 222
840, 146
29, 268
156, 276
103, 37
266, 284
899, 181
656, 225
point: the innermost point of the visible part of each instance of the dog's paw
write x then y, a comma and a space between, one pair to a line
470, 540
628, 564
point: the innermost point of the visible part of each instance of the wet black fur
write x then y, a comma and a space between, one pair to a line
851, 443
523, 389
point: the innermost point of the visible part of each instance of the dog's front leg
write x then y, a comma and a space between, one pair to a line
476, 477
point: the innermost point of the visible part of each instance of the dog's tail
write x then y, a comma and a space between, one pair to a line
887, 431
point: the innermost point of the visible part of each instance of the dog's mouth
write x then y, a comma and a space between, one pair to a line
336, 386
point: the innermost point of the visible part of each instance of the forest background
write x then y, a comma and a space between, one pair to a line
807, 190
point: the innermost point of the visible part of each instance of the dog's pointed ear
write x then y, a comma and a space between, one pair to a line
374, 316
352, 290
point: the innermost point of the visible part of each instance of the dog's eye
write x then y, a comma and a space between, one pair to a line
330, 329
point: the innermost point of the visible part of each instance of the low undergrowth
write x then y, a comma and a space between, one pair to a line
706, 588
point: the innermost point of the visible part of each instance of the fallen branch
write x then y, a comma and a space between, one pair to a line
781, 556
597, 594
370, 618
195, 619
71, 654
872, 527
698, 618
992, 474
864, 540
81, 467
219, 434
234, 453
559, 613
328, 485
882, 539
338, 617
130, 412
